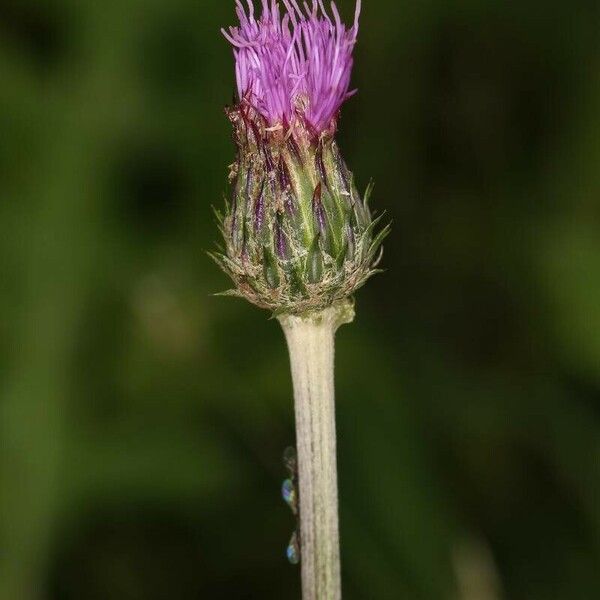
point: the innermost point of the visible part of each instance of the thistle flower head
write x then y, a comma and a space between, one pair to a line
295, 66
298, 235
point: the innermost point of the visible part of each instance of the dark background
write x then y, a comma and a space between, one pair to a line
143, 420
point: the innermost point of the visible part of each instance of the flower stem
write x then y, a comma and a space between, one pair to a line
310, 340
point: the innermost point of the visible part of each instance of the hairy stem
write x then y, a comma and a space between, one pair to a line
310, 340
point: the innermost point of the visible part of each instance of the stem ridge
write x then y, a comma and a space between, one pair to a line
310, 340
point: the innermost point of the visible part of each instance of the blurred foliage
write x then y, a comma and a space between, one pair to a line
143, 420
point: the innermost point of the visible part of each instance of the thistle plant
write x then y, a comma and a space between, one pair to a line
299, 239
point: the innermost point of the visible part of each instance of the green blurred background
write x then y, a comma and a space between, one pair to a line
143, 420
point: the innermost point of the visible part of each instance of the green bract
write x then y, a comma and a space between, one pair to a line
297, 235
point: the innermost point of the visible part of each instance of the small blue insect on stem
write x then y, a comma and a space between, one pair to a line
289, 492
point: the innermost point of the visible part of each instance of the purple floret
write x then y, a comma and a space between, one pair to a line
295, 66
